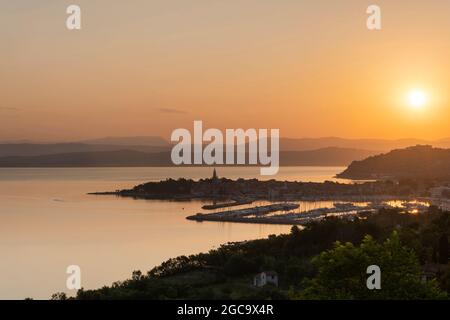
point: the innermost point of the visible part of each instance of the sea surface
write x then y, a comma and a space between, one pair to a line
48, 222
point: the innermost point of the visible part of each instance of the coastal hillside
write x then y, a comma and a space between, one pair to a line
412, 162
307, 264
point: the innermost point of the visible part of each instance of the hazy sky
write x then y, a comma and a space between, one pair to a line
142, 67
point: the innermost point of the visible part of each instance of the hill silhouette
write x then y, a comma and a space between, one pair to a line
421, 161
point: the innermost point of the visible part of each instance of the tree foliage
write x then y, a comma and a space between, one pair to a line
341, 272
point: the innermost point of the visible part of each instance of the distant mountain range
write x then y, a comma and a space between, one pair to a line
156, 144
153, 141
413, 162
155, 151
28, 149
381, 145
320, 157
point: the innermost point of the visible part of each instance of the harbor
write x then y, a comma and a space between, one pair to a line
288, 214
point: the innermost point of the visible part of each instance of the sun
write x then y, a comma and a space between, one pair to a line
417, 99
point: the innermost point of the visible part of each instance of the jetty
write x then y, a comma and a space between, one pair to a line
238, 214
226, 204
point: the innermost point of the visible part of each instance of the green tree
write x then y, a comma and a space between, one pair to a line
59, 296
341, 273
443, 249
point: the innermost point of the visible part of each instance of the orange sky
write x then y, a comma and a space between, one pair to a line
309, 68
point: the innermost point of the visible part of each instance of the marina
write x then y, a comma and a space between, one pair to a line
287, 213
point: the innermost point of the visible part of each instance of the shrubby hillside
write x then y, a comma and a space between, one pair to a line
326, 260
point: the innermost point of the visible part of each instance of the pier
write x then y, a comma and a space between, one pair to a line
226, 204
241, 215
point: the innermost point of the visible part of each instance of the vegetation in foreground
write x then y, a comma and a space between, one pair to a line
326, 260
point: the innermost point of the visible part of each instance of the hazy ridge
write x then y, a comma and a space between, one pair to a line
320, 157
155, 151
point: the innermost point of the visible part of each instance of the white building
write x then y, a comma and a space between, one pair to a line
266, 277
439, 197
438, 192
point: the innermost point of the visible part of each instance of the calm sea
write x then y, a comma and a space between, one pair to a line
48, 222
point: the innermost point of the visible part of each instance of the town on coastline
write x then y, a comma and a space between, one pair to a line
287, 266
349, 199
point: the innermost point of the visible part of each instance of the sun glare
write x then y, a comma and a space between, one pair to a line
417, 99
